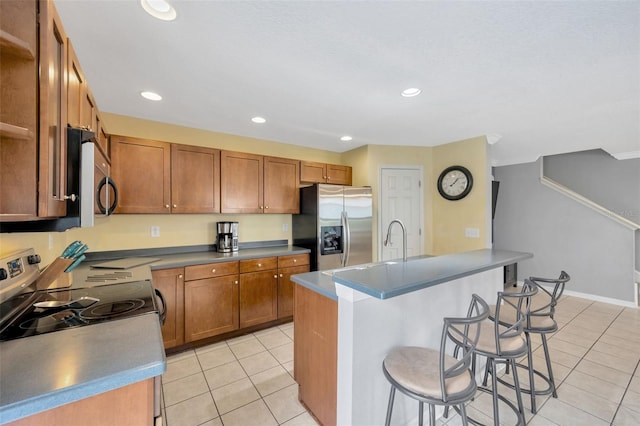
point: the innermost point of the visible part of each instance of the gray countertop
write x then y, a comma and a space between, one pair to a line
76, 363
383, 280
198, 258
49, 370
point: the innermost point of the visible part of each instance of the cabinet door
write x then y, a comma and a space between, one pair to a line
313, 172
171, 283
285, 289
339, 175
211, 307
241, 182
75, 88
88, 110
258, 298
281, 194
195, 179
101, 134
142, 171
19, 111
53, 114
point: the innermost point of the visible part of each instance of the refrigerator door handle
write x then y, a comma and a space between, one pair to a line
347, 242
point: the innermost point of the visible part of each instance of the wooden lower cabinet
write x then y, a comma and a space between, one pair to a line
211, 307
287, 266
315, 348
171, 283
210, 299
128, 405
258, 298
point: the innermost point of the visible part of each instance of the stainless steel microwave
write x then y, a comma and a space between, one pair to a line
90, 191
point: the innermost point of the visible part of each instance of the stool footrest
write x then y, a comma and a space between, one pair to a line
546, 391
501, 398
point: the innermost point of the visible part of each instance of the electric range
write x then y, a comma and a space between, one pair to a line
25, 311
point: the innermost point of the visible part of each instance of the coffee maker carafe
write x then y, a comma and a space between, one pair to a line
227, 240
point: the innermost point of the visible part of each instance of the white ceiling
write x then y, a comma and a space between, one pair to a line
547, 76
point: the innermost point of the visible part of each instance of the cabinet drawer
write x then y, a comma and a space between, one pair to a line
293, 260
210, 270
260, 264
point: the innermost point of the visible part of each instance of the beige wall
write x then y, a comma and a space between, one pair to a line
444, 220
450, 218
135, 127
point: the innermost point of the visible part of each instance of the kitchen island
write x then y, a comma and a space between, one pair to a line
372, 308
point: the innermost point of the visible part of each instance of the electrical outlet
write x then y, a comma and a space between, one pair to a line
285, 227
472, 233
155, 231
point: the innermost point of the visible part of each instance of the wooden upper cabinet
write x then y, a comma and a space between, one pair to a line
142, 171
252, 183
281, 194
53, 113
75, 88
313, 172
18, 110
339, 175
101, 134
241, 182
195, 179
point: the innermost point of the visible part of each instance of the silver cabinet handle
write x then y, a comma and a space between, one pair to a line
275, 276
175, 205
166, 206
213, 271
280, 275
180, 276
259, 265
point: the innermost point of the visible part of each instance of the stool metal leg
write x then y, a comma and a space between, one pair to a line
421, 413
516, 383
494, 388
432, 415
532, 385
390, 405
548, 360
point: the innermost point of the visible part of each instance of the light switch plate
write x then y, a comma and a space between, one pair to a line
472, 233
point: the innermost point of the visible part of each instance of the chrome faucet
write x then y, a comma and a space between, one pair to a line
404, 237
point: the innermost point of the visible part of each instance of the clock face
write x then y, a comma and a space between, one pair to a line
455, 183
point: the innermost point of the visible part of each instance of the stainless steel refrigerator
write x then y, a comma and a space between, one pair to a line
335, 224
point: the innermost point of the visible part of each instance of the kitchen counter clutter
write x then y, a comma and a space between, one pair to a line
354, 316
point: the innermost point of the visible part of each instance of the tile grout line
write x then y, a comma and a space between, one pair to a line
582, 358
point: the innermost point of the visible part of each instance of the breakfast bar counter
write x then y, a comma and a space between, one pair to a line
379, 306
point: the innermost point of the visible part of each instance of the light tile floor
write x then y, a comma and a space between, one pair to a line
248, 380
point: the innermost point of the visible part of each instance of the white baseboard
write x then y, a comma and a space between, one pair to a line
596, 298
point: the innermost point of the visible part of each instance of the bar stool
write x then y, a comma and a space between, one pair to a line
540, 321
504, 344
432, 376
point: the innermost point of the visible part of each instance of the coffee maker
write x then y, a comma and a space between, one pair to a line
227, 239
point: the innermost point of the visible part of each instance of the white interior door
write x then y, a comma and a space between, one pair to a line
400, 198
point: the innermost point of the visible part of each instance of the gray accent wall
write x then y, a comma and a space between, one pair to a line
562, 234
596, 175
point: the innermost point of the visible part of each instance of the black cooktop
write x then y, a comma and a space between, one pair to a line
47, 311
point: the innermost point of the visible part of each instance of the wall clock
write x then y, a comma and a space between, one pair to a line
455, 183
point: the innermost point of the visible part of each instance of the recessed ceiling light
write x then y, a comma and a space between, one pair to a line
160, 9
258, 120
151, 96
346, 138
411, 92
